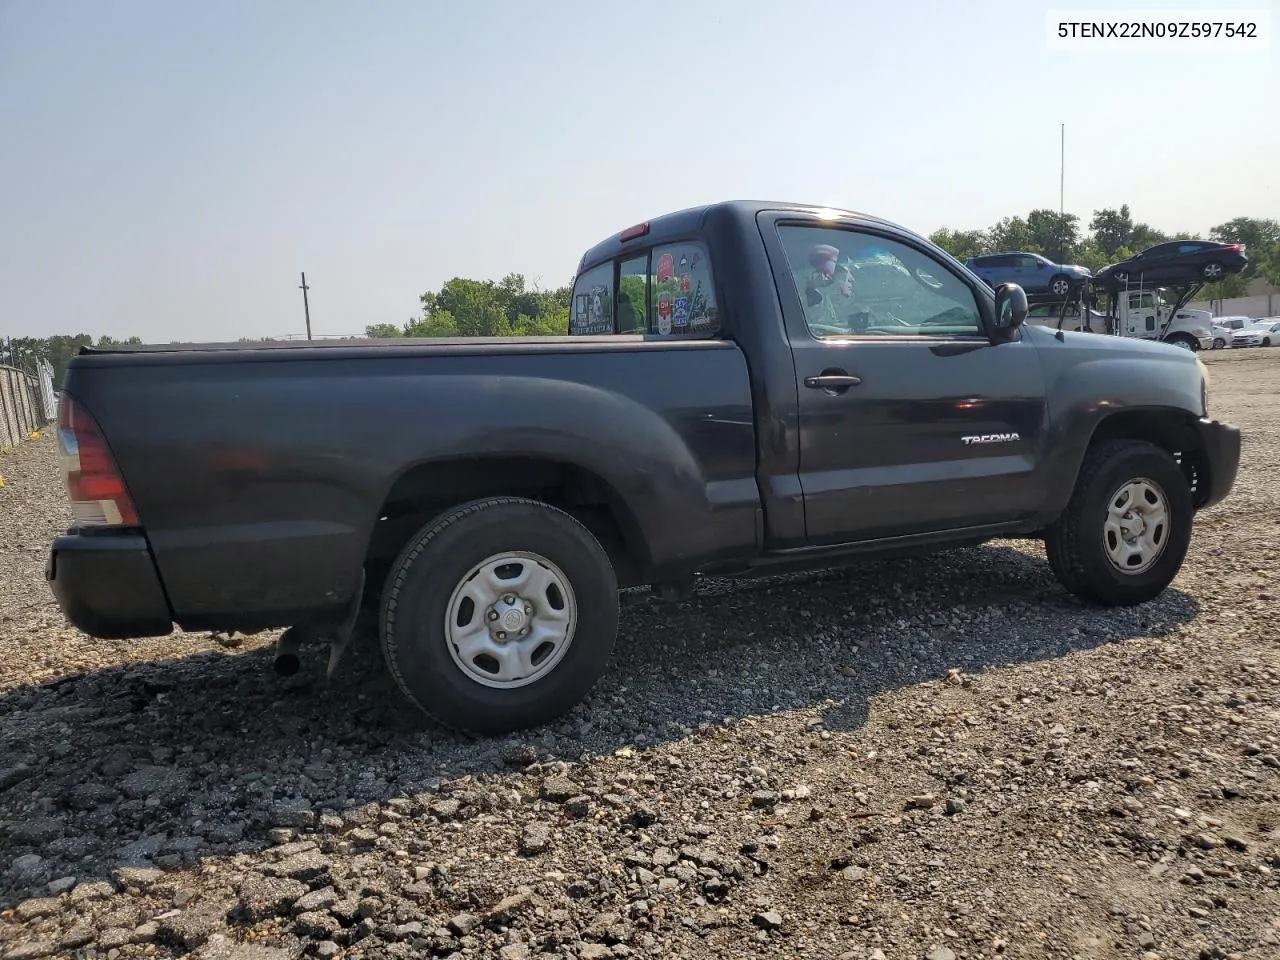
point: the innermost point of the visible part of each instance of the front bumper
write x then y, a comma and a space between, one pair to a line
1221, 445
1206, 343
107, 585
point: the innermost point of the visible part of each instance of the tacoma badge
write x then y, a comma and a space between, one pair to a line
991, 438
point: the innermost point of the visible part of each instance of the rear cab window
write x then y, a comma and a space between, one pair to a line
665, 291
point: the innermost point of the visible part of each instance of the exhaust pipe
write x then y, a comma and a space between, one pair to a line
286, 662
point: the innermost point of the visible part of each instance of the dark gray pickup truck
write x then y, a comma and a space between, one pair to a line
745, 388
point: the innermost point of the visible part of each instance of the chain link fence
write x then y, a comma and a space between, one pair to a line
27, 403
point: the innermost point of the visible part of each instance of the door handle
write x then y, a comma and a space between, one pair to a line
832, 381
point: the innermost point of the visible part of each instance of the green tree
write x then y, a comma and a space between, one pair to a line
1269, 267
1227, 288
1261, 239
382, 330
438, 323
1090, 256
1013, 233
109, 341
961, 244
1255, 234
1112, 229
1056, 234
1145, 236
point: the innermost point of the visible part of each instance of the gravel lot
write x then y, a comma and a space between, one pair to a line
936, 758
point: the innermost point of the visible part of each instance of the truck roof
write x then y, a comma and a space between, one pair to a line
681, 224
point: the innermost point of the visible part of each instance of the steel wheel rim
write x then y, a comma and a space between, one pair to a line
1060, 287
1185, 345
510, 620
1136, 529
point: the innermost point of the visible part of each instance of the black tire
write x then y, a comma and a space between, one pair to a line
1219, 344
1212, 271
1266, 341
1060, 280
1185, 341
1075, 542
422, 581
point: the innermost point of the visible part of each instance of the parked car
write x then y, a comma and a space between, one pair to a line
865, 395
1034, 273
1176, 262
1260, 333
1234, 324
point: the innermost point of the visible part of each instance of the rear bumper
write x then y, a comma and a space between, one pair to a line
1221, 443
107, 585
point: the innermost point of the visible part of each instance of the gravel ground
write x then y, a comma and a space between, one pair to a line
937, 758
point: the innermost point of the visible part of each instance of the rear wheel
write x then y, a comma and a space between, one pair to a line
1125, 532
499, 615
1211, 271
1060, 286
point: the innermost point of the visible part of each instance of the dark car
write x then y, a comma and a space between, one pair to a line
1176, 262
747, 388
1034, 273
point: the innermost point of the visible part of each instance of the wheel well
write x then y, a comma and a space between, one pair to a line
427, 490
1172, 430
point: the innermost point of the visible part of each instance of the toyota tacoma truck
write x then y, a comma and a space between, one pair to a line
744, 388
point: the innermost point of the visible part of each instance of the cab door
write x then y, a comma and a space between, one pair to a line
1141, 319
911, 419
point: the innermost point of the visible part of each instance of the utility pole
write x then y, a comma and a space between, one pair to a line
1062, 192
306, 307
1062, 172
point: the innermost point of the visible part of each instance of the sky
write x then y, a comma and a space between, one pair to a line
169, 167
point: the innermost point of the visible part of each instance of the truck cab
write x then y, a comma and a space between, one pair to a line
1145, 314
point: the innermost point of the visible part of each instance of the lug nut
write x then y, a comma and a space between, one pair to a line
493, 614
501, 635
528, 609
508, 599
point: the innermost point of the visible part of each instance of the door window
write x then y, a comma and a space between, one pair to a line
854, 284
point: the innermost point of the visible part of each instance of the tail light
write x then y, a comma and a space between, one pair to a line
1234, 248
94, 485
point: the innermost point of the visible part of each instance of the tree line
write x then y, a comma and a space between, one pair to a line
1113, 236
509, 307
25, 352
512, 307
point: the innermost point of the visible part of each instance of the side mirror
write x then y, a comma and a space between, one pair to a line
1011, 308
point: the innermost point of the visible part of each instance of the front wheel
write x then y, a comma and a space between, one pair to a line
1211, 271
1219, 343
1185, 342
499, 615
1060, 286
1126, 530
